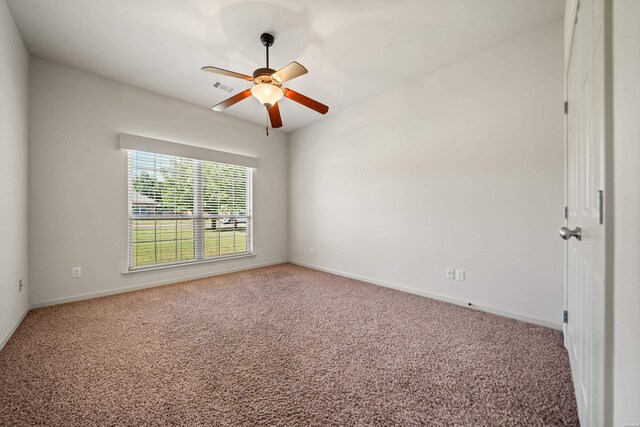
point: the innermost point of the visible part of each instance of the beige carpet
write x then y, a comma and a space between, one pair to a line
281, 345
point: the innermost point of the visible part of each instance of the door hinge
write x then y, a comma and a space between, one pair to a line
566, 107
600, 207
565, 316
566, 212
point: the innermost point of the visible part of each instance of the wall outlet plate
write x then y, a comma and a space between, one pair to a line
76, 272
459, 274
451, 273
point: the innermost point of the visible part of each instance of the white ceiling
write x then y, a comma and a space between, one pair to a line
353, 49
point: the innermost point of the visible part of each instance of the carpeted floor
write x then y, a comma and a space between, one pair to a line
282, 345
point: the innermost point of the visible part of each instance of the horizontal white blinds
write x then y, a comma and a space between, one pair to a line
186, 210
151, 145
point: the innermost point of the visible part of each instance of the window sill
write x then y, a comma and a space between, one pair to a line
160, 268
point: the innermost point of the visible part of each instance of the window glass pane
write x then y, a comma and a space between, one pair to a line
183, 210
162, 240
225, 200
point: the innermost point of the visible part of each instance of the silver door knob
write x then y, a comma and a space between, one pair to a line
567, 233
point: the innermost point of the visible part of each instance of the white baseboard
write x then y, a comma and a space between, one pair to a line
172, 281
13, 328
492, 310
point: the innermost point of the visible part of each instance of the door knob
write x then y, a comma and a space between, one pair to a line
567, 233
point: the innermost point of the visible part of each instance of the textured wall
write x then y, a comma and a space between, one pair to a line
14, 96
626, 109
78, 180
463, 168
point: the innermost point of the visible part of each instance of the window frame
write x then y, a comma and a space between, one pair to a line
198, 217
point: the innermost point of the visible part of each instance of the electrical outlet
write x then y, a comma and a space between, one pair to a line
76, 272
459, 274
451, 273
20, 285
311, 249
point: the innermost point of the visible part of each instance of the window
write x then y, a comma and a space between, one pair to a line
184, 210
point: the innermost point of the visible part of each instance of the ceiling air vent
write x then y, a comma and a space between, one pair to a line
224, 87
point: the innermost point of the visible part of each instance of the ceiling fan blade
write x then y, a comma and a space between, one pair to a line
307, 102
227, 73
290, 72
230, 101
274, 116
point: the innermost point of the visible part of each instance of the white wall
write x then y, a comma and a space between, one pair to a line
14, 78
463, 168
78, 200
626, 132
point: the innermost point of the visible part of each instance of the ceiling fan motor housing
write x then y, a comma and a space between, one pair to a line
265, 76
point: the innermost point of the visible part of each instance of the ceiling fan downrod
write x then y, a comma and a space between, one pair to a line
267, 41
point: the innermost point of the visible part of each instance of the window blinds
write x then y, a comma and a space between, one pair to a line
185, 210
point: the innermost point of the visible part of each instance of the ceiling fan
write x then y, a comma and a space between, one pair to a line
268, 87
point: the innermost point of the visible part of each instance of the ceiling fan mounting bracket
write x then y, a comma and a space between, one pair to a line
267, 39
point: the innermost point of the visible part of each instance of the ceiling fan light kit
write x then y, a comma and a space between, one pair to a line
267, 94
268, 88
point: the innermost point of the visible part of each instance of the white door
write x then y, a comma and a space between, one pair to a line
585, 328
